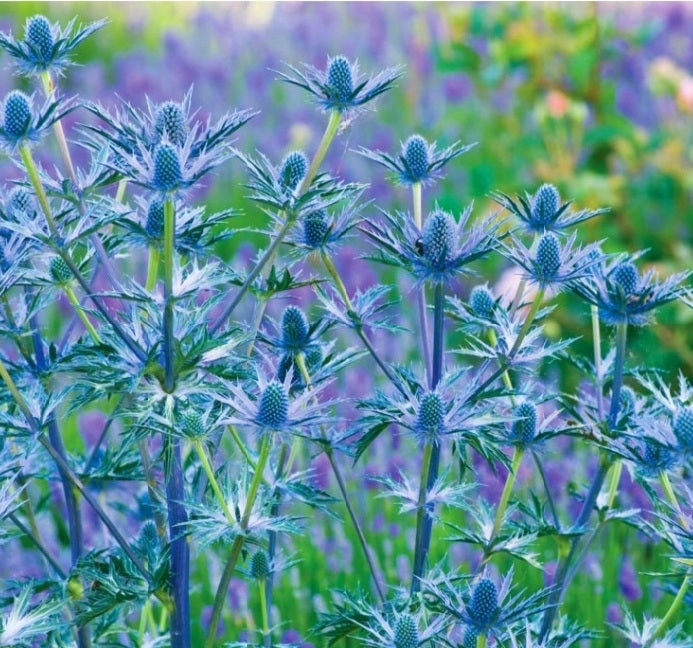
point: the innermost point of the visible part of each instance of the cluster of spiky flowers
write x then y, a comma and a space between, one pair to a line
223, 392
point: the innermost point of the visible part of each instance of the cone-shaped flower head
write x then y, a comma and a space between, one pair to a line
545, 204
192, 425
406, 632
656, 457
626, 277
416, 156
431, 414
482, 302
340, 79
293, 169
483, 605
19, 201
17, 114
60, 271
294, 328
273, 409
439, 239
548, 257
683, 427
315, 228
39, 36
171, 123
154, 224
167, 169
525, 427
259, 565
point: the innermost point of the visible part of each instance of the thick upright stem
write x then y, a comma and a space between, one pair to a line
328, 136
175, 488
431, 464
421, 290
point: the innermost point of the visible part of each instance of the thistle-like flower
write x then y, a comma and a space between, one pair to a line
623, 296
418, 161
482, 302
269, 406
22, 123
276, 187
340, 87
440, 251
46, 47
483, 607
544, 211
551, 263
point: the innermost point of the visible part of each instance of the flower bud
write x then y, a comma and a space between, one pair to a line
626, 277
524, 428
19, 201
416, 156
683, 427
154, 225
191, 425
315, 228
60, 271
438, 239
294, 327
431, 413
406, 632
17, 114
167, 170
293, 169
545, 204
482, 302
273, 409
170, 122
340, 79
259, 565
39, 36
484, 602
548, 258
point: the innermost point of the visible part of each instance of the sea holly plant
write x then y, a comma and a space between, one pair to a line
245, 416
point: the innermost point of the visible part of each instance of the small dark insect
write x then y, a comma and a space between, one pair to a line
419, 247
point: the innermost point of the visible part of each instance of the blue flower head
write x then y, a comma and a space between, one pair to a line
543, 211
18, 201
439, 251
683, 428
46, 47
168, 175
524, 428
341, 88
315, 228
553, 264
406, 632
259, 565
171, 122
419, 161
431, 415
60, 271
292, 170
623, 296
192, 425
22, 123
483, 606
482, 302
273, 409
295, 330
154, 223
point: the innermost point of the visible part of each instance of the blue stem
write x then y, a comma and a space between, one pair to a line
175, 490
564, 573
424, 538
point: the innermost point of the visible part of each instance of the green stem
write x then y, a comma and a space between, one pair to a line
597, 343
673, 609
481, 641
33, 174
152, 268
507, 490
199, 449
222, 589
300, 362
81, 314
614, 481
262, 586
506, 376
328, 136
337, 279
241, 446
536, 305
260, 309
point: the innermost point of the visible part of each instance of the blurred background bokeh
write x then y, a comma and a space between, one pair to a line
596, 98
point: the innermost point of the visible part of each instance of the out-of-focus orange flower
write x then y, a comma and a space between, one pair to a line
557, 103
